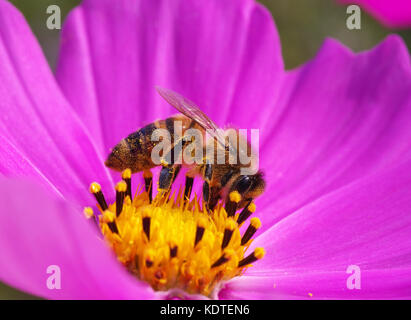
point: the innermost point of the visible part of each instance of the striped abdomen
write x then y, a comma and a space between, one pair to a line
134, 151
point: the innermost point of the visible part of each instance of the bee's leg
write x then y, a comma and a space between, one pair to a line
170, 170
188, 187
190, 174
208, 173
176, 172
167, 175
148, 182
210, 194
169, 157
214, 196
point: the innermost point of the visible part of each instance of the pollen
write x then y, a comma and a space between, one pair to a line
171, 242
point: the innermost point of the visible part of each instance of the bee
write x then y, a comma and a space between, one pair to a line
220, 179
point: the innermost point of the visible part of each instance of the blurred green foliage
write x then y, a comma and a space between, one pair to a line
302, 24
35, 13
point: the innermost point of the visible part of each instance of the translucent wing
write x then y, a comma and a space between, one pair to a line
189, 109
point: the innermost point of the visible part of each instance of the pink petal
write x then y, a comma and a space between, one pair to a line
367, 224
15, 164
38, 231
340, 117
36, 119
392, 13
223, 55
299, 285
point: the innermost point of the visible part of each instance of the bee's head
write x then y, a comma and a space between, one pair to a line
249, 187
118, 159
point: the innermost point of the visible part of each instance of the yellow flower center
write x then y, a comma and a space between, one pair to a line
172, 242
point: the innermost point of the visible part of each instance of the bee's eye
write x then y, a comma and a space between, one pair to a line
243, 184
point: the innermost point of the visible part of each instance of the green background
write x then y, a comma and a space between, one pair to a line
303, 25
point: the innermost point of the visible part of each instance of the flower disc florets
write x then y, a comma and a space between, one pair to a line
172, 242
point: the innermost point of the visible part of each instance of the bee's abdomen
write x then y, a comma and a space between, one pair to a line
139, 147
140, 143
137, 141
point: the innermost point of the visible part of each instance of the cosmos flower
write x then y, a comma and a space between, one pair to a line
392, 13
335, 140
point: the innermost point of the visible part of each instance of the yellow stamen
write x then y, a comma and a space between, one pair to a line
255, 222
235, 197
126, 174
108, 216
121, 186
170, 243
256, 255
246, 213
259, 253
231, 205
88, 212
230, 224
95, 187
252, 207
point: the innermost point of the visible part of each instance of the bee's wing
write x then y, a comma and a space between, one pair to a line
189, 109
